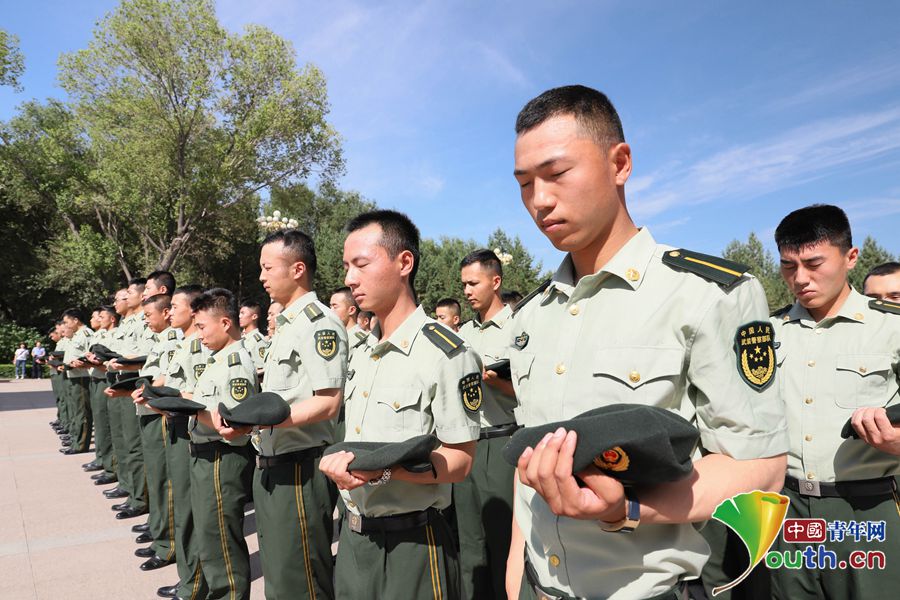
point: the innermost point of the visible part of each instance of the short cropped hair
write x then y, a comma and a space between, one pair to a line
297, 245
366, 314
486, 258
111, 310
191, 291
217, 301
814, 224
511, 297
139, 282
593, 112
398, 234
160, 301
449, 303
347, 293
163, 279
73, 313
888, 268
254, 306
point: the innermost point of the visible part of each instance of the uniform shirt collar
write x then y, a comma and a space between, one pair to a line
249, 333
853, 309
625, 269
224, 352
498, 320
403, 338
293, 310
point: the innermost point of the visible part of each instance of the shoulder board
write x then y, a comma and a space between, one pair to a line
258, 337
443, 338
173, 335
885, 306
195, 346
780, 311
533, 294
722, 271
234, 359
361, 335
313, 312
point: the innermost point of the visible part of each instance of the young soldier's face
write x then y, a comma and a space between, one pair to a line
106, 320
278, 273
180, 314
817, 274
212, 329
883, 287
480, 285
571, 186
121, 302
247, 317
95, 319
274, 310
341, 306
375, 279
151, 289
157, 320
134, 296
70, 324
447, 316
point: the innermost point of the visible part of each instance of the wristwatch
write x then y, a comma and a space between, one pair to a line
385, 477
632, 515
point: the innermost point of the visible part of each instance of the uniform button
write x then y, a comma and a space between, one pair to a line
862, 369
404, 344
560, 369
786, 318
674, 253
808, 438
634, 377
573, 310
632, 275
859, 316
554, 560
375, 357
351, 504
811, 363
358, 429
819, 330
808, 400
810, 475
396, 405
365, 394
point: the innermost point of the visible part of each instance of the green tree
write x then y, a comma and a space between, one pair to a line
521, 274
763, 267
187, 120
12, 63
871, 254
438, 275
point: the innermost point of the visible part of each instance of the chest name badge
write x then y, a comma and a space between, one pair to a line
755, 349
326, 343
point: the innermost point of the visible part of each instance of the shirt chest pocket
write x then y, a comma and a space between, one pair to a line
396, 409
648, 375
861, 380
207, 392
283, 373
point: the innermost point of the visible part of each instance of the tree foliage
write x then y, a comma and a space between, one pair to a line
763, 266
871, 254
12, 63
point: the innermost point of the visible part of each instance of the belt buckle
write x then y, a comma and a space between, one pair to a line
810, 488
355, 522
258, 462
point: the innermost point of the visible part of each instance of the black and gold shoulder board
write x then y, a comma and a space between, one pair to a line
885, 306
258, 337
196, 346
715, 268
173, 335
531, 295
443, 338
234, 359
361, 336
313, 312
781, 311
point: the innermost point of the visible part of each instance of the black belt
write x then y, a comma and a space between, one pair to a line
209, 449
861, 488
267, 462
507, 430
366, 525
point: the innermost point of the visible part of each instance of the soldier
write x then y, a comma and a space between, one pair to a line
839, 358
221, 470
161, 552
511, 298
447, 312
54, 336
483, 502
412, 377
306, 366
625, 320
82, 421
883, 282
365, 320
271, 323
346, 309
254, 340
106, 456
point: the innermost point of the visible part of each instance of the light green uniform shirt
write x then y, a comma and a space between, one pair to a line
256, 345
402, 387
308, 353
158, 360
640, 332
229, 377
491, 341
187, 363
828, 370
101, 336
78, 345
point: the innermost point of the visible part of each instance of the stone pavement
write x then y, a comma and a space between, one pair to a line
59, 540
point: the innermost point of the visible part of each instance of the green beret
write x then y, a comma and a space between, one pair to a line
128, 384
104, 353
176, 404
501, 368
134, 360
151, 392
893, 415
414, 454
265, 409
635, 444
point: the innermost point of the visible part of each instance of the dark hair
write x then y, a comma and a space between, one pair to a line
163, 279
398, 234
138, 281
160, 301
298, 245
511, 297
73, 313
254, 306
592, 110
449, 303
486, 258
347, 293
191, 291
366, 314
814, 224
111, 310
888, 268
217, 300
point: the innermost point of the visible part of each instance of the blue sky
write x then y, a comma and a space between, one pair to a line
737, 113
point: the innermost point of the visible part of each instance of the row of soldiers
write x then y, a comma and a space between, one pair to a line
623, 321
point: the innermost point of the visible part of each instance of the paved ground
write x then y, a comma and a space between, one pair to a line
58, 537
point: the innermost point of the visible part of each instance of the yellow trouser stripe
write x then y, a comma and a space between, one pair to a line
221, 517
197, 576
301, 513
433, 564
171, 500
712, 266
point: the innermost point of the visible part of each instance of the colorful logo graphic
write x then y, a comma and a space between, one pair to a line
756, 517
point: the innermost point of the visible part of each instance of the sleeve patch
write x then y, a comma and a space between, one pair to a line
239, 388
326, 343
470, 389
755, 350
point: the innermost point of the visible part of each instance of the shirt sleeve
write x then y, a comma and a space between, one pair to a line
457, 397
323, 353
